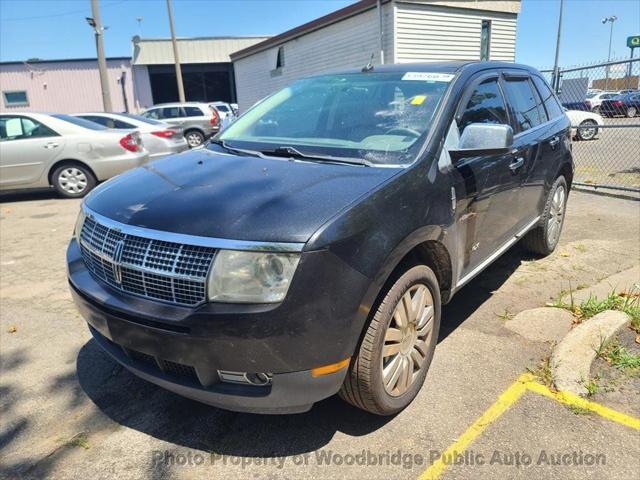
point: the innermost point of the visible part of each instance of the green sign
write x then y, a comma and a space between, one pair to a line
633, 42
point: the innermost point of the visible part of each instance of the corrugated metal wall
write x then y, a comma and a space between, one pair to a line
432, 33
66, 87
345, 44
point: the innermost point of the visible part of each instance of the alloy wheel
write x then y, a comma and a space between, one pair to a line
556, 215
194, 139
587, 130
407, 339
73, 180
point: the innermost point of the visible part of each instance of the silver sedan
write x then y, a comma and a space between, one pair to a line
69, 153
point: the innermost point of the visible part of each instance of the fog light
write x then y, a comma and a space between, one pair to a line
244, 378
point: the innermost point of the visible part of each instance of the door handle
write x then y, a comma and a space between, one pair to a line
516, 164
554, 141
51, 145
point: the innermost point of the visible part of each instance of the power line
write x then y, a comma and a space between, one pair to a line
74, 12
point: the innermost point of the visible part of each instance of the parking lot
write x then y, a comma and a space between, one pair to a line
70, 411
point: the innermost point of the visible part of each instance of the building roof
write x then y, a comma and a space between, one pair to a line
511, 6
159, 51
61, 60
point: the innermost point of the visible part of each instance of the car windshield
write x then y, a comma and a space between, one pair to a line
80, 122
140, 118
381, 118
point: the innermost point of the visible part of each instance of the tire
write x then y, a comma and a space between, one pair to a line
596, 109
631, 112
365, 386
543, 239
587, 130
73, 180
194, 138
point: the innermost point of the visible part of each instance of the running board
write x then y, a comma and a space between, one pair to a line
461, 282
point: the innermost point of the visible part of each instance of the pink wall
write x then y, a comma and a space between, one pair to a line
71, 86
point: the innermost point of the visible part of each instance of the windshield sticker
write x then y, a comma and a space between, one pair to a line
418, 99
428, 76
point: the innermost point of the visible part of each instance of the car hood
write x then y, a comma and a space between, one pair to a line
234, 197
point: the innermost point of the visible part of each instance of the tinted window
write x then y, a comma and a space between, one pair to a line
153, 113
17, 128
522, 103
222, 108
140, 118
79, 122
551, 104
108, 122
486, 105
541, 109
193, 112
171, 112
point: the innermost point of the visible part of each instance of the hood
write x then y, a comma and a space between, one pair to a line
234, 197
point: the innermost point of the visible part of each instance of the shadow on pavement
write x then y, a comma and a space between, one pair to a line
29, 195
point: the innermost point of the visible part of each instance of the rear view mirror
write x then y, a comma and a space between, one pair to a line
480, 139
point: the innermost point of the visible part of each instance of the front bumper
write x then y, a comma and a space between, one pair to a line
182, 349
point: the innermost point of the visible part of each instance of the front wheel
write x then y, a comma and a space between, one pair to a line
544, 238
392, 361
587, 130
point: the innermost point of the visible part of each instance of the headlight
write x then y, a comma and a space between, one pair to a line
251, 277
79, 221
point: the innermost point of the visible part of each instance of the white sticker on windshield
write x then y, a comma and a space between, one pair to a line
428, 76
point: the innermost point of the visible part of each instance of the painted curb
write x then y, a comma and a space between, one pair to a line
571, 359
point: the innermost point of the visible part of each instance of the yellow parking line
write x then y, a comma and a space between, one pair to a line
570, 399
505, 400
508, 398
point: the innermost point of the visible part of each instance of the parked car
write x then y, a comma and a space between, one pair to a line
582, 106
159, 139
309, 248
198, 120
594, 100
234, 107
626, 105
584, 125
69, 153
223, 108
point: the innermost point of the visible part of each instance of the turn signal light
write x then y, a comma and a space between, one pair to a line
331, 368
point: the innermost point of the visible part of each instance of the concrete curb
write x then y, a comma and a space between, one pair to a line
571, 359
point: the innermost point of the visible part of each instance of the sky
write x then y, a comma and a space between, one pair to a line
56, 29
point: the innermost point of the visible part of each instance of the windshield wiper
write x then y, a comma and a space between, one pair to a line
237, 151
292, 152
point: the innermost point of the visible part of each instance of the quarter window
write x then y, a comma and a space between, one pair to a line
551, 104
523, 103
486, 105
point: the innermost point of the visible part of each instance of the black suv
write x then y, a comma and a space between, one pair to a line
308, 249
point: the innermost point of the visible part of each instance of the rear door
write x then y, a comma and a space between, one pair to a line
27, 147
486, 188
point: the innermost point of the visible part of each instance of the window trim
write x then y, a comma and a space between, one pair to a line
472, 84
9, 104
519, 76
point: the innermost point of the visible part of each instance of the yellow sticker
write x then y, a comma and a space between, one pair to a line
418, 99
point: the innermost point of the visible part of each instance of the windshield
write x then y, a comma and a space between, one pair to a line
382, 118
80, 122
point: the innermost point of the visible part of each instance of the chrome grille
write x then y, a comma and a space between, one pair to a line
166, 271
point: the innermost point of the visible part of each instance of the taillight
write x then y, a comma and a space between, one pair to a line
215, 118
129, 142
617, 103
164, 133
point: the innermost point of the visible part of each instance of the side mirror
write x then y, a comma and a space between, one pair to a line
480, 139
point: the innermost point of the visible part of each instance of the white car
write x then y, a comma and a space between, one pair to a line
69, 153
159, 139
584, 125
595, 99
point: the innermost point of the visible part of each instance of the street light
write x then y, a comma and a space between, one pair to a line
610, 19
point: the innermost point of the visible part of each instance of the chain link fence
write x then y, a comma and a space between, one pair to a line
603, 103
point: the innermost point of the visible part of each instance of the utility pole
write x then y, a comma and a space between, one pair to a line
380, 32
555, 81
175, 54
611, 19
96, 23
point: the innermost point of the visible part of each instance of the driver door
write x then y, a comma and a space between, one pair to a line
486, 187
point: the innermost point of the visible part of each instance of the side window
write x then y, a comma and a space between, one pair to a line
101, 120
539, 103
19, 128
193, 112
122, 125
523, 103
486, 105
153, 113
171, 112
554, 109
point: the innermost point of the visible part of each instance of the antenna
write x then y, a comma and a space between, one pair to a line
369, 66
